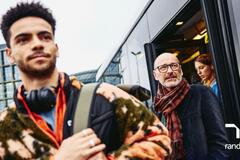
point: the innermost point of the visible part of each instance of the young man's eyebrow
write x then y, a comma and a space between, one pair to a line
44, 32
21, 35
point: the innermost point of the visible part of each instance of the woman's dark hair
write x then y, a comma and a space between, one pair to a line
25, 9
204, 59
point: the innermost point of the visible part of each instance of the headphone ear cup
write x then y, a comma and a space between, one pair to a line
41, 100
32, 100
46, 97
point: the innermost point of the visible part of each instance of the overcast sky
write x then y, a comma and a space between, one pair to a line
88, 30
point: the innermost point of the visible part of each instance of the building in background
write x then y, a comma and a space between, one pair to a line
9, 79
86, 76
110, 70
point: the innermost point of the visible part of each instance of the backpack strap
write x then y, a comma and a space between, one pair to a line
83, 107
81, 115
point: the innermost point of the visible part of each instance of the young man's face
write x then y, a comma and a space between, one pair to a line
32, 46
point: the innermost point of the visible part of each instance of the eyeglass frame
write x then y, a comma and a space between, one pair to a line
168, 65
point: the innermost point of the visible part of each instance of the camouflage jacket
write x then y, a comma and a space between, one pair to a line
140, 135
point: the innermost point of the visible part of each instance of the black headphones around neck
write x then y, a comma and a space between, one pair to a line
41, 100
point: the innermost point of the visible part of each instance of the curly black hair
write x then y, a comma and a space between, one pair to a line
25, 9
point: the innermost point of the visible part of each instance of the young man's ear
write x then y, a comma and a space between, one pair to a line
57, 52
10, 56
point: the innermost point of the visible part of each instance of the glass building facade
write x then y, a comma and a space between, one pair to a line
86, 76
112, 73
9, 79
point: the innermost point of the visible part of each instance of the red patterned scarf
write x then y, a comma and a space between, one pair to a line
166, 102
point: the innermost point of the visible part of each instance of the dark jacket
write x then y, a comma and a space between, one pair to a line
204, 133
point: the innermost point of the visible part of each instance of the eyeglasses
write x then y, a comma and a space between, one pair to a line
164, 68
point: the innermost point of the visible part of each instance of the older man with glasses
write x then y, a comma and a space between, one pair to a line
191, 113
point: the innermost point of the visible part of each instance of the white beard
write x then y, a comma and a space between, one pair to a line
172, 84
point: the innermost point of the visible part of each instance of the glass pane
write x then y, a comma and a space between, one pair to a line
1, 54
2, 104
8, 73
6, 62
9, 101
1, 92
10, 90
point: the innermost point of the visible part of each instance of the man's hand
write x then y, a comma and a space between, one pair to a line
81, 146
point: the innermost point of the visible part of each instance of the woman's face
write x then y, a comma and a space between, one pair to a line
204, 71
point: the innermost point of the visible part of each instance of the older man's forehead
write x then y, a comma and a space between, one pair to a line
166, 59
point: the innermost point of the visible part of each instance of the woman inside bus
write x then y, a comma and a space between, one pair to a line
205, 70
